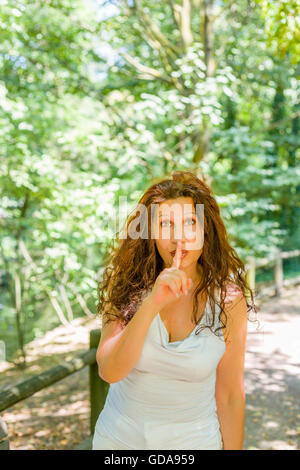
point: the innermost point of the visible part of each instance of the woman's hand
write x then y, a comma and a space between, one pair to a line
171, 283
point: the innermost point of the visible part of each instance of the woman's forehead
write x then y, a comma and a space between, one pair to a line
176, 207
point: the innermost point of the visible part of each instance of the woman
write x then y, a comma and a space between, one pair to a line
174, 326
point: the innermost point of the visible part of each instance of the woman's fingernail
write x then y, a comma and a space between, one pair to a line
186, 292
177, 295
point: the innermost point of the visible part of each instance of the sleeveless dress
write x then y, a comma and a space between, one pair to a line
167, 401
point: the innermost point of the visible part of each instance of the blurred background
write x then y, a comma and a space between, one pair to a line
97, 100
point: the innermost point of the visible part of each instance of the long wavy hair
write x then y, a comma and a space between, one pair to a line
131, 266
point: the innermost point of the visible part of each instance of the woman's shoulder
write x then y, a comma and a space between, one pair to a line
231, 292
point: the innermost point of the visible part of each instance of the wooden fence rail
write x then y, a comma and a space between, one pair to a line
29, 387
98, 388
276, 261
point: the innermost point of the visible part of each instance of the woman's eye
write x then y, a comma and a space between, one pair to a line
168, 222
165, 221
191, 220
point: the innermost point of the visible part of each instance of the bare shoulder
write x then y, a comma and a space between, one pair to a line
236, 312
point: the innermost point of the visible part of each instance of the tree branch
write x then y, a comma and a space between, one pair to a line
175, 9
59, 311
146, 72
156, 32
84, 306
208, 38
167, 62
186, 31
66, 302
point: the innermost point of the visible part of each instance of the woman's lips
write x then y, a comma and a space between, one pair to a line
183, 253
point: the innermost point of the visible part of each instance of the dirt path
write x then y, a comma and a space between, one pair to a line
58, 416
272, 375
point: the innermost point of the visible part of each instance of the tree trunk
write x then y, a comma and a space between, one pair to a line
20, 332
208, 44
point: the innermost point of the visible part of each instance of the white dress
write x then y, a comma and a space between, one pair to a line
167, 401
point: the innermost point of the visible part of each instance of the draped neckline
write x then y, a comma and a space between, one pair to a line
190, 334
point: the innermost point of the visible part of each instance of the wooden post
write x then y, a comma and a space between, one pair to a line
278, 272
4, 442
98, 387
250, 274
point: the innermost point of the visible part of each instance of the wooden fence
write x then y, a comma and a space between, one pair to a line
277, 263
98, 388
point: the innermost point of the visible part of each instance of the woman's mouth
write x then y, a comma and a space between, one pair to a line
183, 253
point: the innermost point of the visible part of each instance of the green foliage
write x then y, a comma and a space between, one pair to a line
283, 26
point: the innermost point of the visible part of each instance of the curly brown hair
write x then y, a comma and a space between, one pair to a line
132, 266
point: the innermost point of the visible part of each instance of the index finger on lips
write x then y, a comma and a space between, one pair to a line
177, 258
181, 281
184, 282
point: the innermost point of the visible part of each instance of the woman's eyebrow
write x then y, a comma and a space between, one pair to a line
188, 213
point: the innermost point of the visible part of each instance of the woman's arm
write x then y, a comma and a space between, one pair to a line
232, 421
120, 348
230, 394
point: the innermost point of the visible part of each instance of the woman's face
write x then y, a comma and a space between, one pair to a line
176, 220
